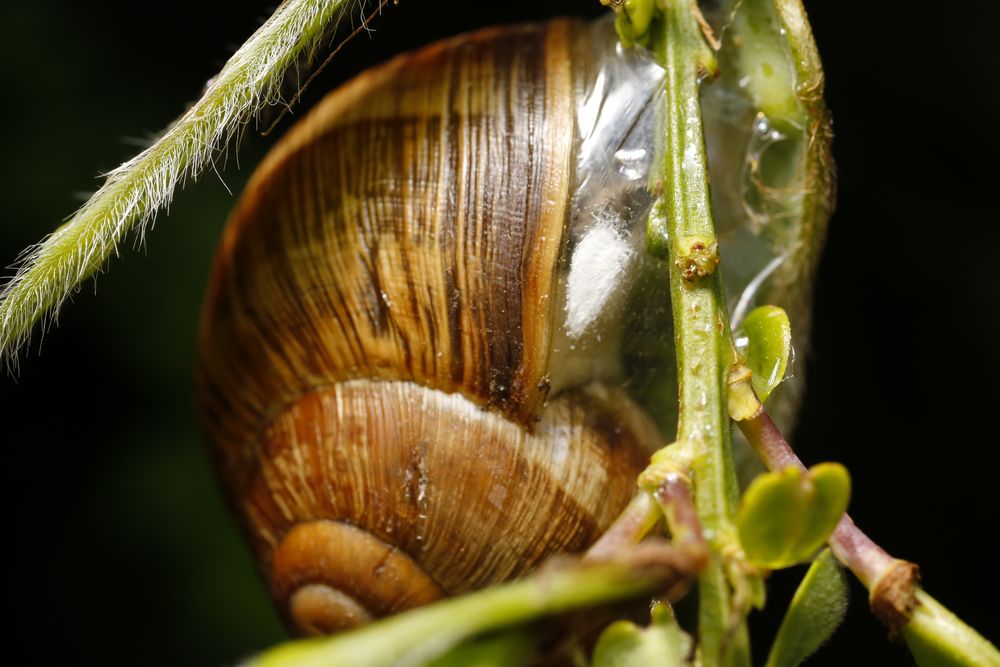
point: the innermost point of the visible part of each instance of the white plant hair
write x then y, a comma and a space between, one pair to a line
131, 195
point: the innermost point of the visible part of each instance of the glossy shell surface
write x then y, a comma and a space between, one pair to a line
374, 354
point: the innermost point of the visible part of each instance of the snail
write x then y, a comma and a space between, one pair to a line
434, 351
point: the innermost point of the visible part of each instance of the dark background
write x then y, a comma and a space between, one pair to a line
119, 547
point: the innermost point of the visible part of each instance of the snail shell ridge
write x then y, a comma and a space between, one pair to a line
375, 343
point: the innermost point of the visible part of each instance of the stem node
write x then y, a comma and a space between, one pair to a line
893, 596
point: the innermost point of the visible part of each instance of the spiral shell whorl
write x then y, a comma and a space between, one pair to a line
329, 576
436, 476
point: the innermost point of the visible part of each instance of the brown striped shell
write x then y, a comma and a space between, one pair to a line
374, 354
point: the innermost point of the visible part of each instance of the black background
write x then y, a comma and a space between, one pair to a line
119, 548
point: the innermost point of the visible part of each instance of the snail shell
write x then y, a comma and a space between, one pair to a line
377, 343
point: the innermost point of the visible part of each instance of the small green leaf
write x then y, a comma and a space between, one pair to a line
816, 610
786, 515
624, 644
768, 346
938, 638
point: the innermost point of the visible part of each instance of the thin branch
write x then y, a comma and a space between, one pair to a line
635, 521
892, 583
677, 504
849, 544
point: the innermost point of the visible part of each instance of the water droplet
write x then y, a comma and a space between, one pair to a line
760, 176
761, 124
632, 163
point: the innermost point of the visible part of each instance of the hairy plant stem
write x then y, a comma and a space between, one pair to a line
681, 224
135, 191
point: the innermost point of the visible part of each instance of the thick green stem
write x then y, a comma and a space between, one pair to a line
682, 225
416, 637
938, 637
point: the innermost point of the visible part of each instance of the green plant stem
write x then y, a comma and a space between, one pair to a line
510, 648
938, 637
681, 224
421, 635
135, 191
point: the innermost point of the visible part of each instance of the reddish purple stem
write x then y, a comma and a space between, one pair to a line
674, 497
675, 502
630, 527
849, 544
